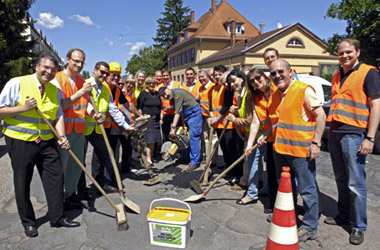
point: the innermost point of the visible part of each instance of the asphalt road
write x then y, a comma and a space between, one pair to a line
216, 223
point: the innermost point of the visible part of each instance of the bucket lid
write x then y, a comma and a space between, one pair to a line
169, 214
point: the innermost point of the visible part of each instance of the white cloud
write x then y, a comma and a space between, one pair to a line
49, 21
84, 19
136, 47
110, 43
128, 27
128, 44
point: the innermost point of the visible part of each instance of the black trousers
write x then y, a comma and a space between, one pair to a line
167, 122
24, 156
232, 147
271, 173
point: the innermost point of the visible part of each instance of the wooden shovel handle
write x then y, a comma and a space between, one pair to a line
78, 161
110, 152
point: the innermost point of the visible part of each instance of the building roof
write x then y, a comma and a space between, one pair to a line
211, 25
249, 45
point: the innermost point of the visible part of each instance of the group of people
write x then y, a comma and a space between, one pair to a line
280, 114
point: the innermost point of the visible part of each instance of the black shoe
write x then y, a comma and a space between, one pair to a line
111, 189
233, 181
269, 218
31, 231
240, 202
268, 210
356, 237
337, 220
86, 195
65, 222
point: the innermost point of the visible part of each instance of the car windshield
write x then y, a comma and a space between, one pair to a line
327, 92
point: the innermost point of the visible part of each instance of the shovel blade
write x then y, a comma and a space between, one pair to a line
152, 181
130, 204
196, 186
195, 197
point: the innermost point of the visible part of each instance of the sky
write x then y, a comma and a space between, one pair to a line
97, 26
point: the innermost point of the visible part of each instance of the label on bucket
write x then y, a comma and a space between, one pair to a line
167, 234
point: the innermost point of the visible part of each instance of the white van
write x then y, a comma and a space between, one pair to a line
321, 86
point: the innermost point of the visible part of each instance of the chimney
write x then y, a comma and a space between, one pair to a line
233, 33
213, 6
261, 27
192, 17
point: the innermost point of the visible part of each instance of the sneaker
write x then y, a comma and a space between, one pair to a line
304, 235
337, 220
191, 167
356, 237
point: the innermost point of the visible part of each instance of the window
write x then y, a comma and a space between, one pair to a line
186, 34
238, 31
179, 38
295, 42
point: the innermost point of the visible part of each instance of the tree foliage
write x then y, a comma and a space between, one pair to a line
148, 59
15, 50
363, 24
176, 17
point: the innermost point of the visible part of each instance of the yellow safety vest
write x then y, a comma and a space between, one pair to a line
102, 103
29, 126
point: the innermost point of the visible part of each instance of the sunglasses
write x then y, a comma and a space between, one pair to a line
104, 72
149, 83
274, 73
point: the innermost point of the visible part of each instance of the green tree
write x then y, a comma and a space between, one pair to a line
363, 24
148, 59
85, 74
175, 19
15, 50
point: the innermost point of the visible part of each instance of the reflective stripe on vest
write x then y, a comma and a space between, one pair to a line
217, 102
294, 135
29, 126
265, 109
205, 99
349, 103
102, 102
78, 110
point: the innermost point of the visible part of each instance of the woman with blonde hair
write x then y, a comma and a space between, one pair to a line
140, 83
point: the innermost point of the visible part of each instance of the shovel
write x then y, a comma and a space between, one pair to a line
197, 197
131, 205
121, 218
196, 184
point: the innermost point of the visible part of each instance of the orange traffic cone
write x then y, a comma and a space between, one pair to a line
283, 231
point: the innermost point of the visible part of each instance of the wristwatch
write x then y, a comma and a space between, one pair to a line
173, 127
318, 144
371, 139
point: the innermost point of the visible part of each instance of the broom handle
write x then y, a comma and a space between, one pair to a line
115, 169
77, 160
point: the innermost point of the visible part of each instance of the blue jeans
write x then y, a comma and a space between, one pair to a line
194, 119
350, 177
305, 172
253, 162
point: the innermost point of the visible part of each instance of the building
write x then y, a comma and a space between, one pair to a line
223, 36
41, 45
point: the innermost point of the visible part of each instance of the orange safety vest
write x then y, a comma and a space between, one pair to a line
217, 95
74, 116
195, 89
118, 105
294, 135
349, 103
205, 99
132, 100
168, 105
265, 108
